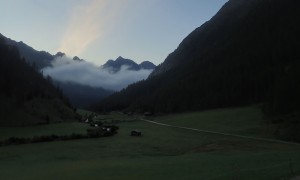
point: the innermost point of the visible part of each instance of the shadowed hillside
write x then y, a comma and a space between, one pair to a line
83, 96
26, 97
247, 53
233, 59
40, 59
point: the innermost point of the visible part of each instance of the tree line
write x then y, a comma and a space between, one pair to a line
25, 91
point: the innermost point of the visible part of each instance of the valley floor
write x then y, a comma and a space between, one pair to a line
161, 153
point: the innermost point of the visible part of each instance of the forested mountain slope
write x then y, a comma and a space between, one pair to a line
26, 96
234, 59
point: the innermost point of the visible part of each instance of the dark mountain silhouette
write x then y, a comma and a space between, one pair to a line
26, 96
147, 65
115, 65
76, 58
79, 95
40, 59
83, 96
59, 54
234, 59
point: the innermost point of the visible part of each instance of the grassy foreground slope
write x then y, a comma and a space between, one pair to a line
162, 152
247, 121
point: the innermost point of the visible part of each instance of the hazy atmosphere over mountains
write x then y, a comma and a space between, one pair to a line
150, 89
81, 81
246, 54
228, 61
65, 69
98, 30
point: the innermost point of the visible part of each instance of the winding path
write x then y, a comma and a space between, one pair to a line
223, 134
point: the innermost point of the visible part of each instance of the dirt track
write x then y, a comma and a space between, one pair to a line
223, 134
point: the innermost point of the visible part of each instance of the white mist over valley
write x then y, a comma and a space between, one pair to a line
65, 69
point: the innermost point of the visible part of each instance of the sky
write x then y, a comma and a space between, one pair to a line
98, 30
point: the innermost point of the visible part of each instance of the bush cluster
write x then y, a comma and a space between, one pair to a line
101, 132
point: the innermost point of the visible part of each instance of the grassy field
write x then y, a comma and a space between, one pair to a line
40, 130
161, 153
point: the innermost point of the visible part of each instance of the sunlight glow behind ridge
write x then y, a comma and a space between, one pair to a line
88, 23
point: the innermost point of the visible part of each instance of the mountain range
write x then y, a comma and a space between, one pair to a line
116, 65
246, 54
80, 95
42, 59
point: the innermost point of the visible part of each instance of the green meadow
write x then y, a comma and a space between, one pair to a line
161, 153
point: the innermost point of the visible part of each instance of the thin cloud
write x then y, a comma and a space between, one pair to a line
66, 70
88, 23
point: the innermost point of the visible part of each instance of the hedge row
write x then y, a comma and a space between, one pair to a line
53, 137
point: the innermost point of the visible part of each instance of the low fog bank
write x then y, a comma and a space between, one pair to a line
65, 69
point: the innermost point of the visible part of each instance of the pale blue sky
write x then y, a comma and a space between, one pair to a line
98, 30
